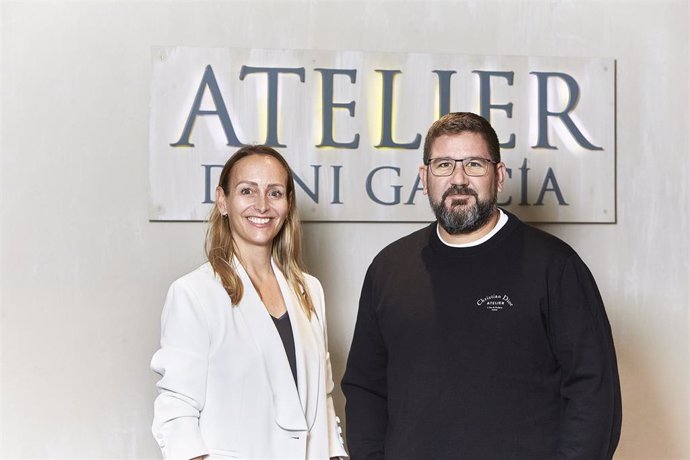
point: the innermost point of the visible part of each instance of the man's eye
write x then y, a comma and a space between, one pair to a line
443, 164
246, 191
474, 164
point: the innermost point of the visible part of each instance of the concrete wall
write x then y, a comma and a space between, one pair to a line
83, 273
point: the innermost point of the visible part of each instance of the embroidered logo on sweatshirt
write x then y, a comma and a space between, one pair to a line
495, 302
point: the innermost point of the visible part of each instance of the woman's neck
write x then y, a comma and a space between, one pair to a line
257, 263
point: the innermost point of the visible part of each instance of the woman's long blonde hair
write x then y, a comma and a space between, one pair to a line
287, 244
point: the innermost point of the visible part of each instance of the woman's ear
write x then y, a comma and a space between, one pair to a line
220, 201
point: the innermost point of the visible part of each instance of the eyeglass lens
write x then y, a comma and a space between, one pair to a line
446, 166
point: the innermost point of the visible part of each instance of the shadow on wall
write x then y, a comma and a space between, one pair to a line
648, 433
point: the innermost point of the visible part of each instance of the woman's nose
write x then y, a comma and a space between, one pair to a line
261, 203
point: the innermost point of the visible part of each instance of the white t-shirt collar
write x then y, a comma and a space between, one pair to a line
502, 220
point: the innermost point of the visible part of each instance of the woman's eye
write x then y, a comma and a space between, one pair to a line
275, 194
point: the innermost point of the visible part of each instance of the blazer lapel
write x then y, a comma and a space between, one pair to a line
308, 352
286, 400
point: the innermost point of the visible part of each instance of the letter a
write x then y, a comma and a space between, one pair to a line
208, 81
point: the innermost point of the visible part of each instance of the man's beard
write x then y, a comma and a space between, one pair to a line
455, 220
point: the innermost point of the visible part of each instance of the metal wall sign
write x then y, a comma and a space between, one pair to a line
352, 124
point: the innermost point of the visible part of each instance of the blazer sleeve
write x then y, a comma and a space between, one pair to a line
336, 444
182, 362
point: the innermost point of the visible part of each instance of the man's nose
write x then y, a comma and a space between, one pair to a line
459, 177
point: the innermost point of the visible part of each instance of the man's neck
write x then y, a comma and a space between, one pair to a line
465, 238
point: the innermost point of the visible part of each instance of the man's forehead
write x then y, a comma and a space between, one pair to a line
466, 141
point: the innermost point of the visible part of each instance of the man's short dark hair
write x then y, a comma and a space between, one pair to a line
460, 122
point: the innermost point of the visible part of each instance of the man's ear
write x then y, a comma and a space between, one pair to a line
422, 177
500, 176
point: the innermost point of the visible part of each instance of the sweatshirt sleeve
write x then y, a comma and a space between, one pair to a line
182, 362
581, 339
364, 383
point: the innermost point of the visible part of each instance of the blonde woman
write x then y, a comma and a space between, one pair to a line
244, 361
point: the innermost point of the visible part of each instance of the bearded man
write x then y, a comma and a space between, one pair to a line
479, 337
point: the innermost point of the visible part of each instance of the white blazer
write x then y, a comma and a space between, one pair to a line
227, 390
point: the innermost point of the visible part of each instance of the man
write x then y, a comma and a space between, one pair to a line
479, 337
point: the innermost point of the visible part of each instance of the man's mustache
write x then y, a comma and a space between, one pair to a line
458, 190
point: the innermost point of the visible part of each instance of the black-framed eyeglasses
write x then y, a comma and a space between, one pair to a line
474, 167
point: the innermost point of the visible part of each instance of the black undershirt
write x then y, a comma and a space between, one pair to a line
285, 330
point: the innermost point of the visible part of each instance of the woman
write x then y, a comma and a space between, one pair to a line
243, 358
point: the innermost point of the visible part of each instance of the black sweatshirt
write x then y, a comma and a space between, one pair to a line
497, 351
